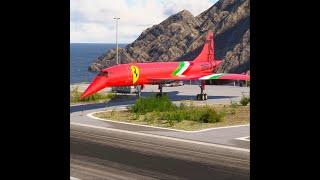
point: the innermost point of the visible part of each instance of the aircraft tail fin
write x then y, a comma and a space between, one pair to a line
207, 53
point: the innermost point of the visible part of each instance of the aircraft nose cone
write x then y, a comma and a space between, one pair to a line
98, 83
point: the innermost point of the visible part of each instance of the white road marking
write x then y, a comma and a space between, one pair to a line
73, 178
244, 138
90, 115
162, 137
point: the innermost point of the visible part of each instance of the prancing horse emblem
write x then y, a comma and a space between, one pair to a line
135, 73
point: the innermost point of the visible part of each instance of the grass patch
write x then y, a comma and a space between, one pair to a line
244, 100
97, 97
162, 112
166, 110
153, 104
233, 104
205, 114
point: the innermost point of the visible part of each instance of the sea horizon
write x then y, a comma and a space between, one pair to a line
82, 55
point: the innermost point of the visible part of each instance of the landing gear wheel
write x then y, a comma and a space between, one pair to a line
202, 97
160, 94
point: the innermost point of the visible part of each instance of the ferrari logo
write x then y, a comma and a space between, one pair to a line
135, 73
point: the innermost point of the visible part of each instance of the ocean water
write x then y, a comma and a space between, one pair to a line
81, 56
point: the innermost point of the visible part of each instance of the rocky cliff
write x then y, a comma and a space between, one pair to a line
181, 37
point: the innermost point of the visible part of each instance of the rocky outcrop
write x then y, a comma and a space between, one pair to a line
181, 37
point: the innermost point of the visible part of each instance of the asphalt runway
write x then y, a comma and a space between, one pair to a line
106, 150
102, 154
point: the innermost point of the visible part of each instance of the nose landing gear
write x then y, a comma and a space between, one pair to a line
138, 89
202, 96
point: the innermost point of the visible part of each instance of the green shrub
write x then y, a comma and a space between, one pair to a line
202, 114
233, 104
153, 104
164, 109
146, 118
183, 106
209, 115
136, 116
75, 96
232, 111
170, 122
178, 115
244, 100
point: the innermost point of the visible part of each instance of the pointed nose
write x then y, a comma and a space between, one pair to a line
100, 82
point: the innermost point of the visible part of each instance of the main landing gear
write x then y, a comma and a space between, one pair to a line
160, 93
202, 96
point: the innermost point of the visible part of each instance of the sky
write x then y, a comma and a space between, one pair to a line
91, 21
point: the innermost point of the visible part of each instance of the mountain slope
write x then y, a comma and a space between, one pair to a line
181, 37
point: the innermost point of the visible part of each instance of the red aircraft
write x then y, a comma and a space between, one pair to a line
138, 74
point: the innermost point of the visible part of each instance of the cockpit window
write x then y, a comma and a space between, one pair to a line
103, 74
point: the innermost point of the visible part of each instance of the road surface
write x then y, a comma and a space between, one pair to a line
108, 150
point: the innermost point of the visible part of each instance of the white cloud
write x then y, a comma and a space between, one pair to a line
92, 20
